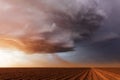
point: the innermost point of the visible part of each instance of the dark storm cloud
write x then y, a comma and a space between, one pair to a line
49, 25
100, 52
103, 47
111, 24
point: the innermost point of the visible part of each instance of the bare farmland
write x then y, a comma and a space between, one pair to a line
59, 73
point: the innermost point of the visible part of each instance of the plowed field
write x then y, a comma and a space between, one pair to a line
59, 73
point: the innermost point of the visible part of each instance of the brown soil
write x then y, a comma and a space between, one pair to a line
59, 74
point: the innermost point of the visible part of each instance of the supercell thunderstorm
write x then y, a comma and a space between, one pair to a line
48, 25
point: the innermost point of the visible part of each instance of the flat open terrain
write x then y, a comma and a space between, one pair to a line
59, 73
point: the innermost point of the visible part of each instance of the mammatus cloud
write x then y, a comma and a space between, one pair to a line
48, 25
